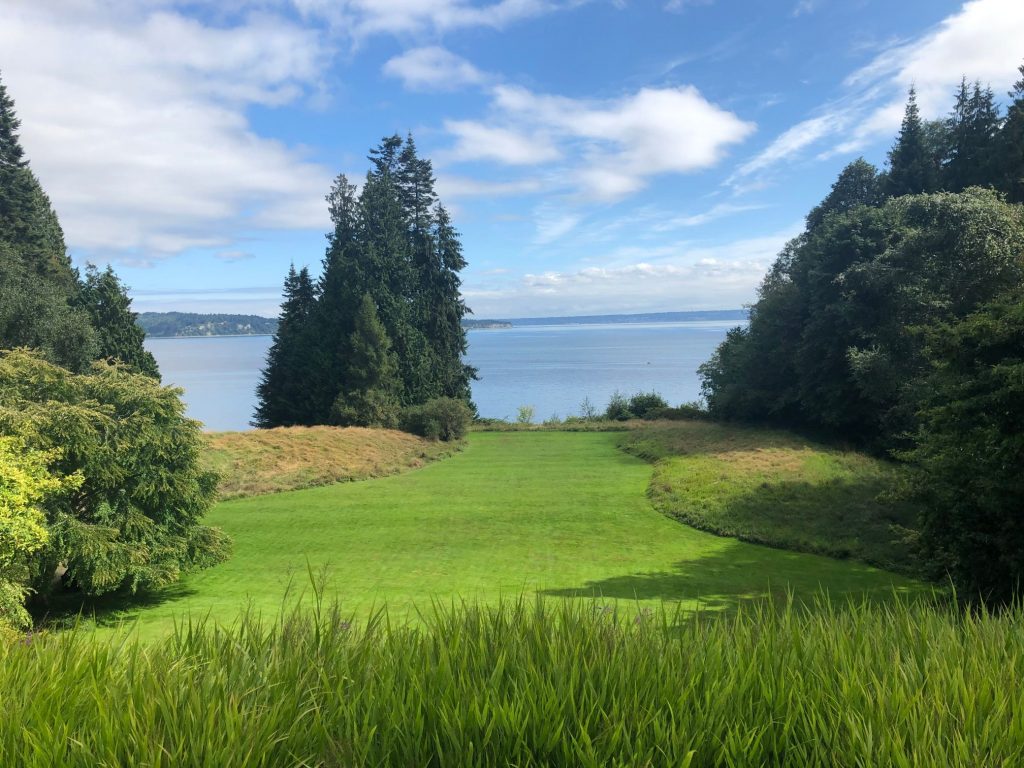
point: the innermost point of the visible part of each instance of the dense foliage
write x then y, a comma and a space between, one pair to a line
44, 304
441, 418
393, 254
856, 329
571, 683
127, 463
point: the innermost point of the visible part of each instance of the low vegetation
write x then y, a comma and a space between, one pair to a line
562, 514
777, 489
288, 458
531, 684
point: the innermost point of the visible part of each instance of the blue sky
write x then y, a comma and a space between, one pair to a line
598, 156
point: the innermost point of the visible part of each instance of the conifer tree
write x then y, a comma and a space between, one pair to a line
118, 334
370, 398
1011, 145
283, 395
11, 153
973, 128
911, 170
858, 184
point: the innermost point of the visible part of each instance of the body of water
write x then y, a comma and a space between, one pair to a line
550, 368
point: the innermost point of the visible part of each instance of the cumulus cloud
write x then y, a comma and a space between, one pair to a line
134, 119
981, 40
617, 144
660, 278
432, 69
479, 141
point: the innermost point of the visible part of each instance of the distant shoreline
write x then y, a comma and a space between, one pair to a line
719, 315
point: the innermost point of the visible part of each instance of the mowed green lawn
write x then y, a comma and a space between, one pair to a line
565, 514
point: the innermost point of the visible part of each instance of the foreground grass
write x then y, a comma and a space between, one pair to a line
289, 458
557, 513
532, 684
777, 489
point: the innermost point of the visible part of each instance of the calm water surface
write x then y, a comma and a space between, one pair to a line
552, 368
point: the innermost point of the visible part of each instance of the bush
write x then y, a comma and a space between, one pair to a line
643, 403
685, 412
443, 418
133, 517
588, 411
525, 414
618, 408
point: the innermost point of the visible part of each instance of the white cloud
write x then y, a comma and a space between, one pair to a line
362, 18
134, 119
660, 278
718, 211
477, 141
805, 6
981, 41
453, 187
432, 69
617, 144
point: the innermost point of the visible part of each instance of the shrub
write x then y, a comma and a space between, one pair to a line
686, 412
443, 418
525, 414
618, 408
642, 403
133, 517
588, 411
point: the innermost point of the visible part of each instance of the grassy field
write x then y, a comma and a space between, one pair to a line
530, 684
777, 489
289, 458
562, 514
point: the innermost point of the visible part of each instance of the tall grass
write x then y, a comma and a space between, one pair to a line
530, 684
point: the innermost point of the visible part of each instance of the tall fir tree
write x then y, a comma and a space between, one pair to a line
391, 245
118, 335
1011, 145
283, 395
11, 153
858, 184
370, 397
911, 170
973, 128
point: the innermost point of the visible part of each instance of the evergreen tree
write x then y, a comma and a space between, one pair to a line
911, 170
370, 398
283, 395
118, 334
1011, 145
444, 308
973, 128
11, 153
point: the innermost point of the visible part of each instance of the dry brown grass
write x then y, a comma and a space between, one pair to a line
289, 458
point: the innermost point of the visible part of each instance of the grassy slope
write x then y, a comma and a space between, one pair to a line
561, 513
289, 458
775, 488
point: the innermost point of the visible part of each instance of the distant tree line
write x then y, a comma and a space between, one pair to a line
894, 320
380, 330
100, 482
166, 324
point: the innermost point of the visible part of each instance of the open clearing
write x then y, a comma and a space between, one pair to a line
563, 514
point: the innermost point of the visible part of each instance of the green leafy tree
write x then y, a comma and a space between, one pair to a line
134, 520
969, 451
858, 184
370, 399
911, 167
26, 483
284, 395
118, 334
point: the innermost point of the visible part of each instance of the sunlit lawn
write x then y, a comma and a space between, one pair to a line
564, 514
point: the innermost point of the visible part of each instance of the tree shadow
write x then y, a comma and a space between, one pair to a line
741, 573
68, 608
840, 518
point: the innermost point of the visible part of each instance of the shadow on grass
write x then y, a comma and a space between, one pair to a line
743, 573
837, 518
68, 608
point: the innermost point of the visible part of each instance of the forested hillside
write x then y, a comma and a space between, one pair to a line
165, 324
893, 321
